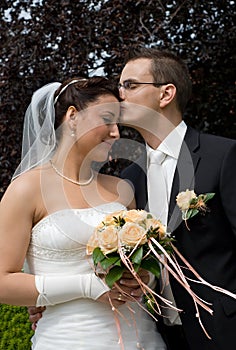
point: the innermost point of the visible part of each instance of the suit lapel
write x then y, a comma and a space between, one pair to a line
183, 179
184, 175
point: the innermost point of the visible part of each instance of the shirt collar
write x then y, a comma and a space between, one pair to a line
172, 143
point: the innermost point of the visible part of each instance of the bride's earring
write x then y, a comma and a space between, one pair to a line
72, 123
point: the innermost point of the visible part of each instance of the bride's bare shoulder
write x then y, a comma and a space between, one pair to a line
26, 184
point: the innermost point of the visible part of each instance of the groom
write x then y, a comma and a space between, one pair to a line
159, 82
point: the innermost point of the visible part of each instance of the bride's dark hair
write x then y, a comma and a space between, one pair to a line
79, 92
45, 114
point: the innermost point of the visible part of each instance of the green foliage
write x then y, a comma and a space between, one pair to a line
113, 265
15, 329
197, 205
208, 196
114, 274
137, 256
151, 264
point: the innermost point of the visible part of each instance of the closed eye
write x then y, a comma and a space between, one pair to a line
108, 120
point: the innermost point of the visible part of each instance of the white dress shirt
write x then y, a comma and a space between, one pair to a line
171, 146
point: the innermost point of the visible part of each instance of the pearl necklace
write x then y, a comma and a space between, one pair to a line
71, 180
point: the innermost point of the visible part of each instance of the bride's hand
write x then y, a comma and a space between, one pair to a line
126, 289
131, 285
113, 298
35, 313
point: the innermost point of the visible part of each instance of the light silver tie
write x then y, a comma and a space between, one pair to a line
157, 191
158, 205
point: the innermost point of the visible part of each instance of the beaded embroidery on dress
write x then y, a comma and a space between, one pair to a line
58, 246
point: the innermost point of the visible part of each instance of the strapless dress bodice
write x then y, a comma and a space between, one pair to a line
58, 241
58, 246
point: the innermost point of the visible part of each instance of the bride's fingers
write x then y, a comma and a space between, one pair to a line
129, 280
141, 272
127, 294
112, 298
34, 318
33, 310
35, 313
118, 299
34, 326
129, 283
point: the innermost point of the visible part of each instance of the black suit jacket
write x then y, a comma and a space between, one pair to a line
206, 163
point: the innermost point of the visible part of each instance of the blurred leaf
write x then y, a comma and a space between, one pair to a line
114, 275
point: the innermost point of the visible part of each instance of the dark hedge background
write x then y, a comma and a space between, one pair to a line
44, 41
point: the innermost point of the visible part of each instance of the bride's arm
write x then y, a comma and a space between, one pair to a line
17, 210
16, 217
117, 296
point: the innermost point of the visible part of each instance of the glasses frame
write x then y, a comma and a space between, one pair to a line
124, 85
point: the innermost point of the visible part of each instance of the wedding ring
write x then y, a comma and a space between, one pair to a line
119, 297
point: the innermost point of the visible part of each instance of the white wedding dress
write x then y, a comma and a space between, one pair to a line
58, 246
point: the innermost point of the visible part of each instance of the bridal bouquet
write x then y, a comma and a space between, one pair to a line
122, 241
134, 239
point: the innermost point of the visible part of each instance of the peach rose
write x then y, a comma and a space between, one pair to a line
92, 244
131, 234
109, 219
135, 215
156, 223
107, 239
184, 198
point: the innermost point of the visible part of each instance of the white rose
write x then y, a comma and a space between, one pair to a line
184, 198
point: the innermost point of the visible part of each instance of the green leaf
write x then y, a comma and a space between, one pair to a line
149, 301
143, 224
194, 201
191, 213
209, 196
97, 256
151, 264
109, 261
137, 256
114, 275
119, 221
136, 267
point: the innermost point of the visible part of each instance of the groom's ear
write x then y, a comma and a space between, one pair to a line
167, 94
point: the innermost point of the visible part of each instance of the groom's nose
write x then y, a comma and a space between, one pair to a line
122, 93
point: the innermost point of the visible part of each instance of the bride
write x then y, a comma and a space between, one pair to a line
49, 212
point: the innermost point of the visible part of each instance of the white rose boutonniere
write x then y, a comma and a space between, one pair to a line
190, 204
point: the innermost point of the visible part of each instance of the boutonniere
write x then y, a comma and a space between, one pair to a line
190, 204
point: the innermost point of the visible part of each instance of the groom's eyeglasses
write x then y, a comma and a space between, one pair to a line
129, 85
